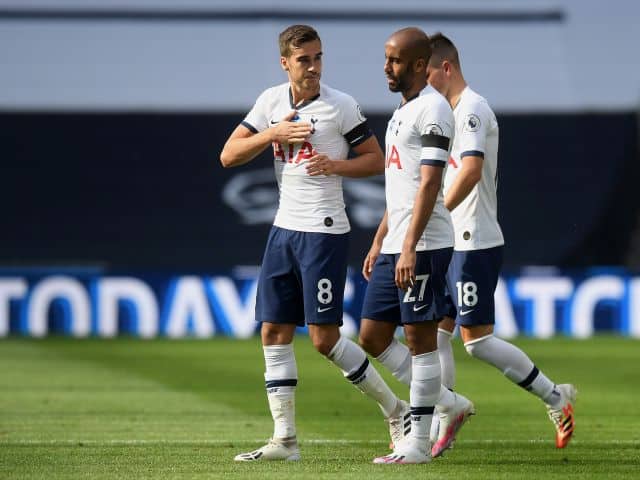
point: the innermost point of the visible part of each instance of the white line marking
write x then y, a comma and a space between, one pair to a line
311, 441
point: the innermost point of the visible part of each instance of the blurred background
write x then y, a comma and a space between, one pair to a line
117, 217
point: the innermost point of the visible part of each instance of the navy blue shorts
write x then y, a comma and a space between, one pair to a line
451, 310
471, 280
425, 301
302, 278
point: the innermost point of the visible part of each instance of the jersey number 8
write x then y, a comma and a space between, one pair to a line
467, 294
325, 295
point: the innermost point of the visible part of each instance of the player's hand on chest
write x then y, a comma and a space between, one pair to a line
318, 134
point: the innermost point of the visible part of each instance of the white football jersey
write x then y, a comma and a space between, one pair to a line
310, 204
475, 220
419, 133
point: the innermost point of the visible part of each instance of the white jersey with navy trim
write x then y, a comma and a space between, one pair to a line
419, 133
310, 204
475, 219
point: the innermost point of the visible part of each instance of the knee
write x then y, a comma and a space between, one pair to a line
323, 344
475, 348
270, 336
276, 334
419, 342
324, 337
372, 345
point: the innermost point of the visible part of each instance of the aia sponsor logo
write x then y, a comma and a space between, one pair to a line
393, 158
291, 155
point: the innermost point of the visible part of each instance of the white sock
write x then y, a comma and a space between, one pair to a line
515, 365
424, 392
446, 400
281, 378
447, 363
397, 358
355, 366
544, 388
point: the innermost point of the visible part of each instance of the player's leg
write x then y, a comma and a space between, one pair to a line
377, 333
381, 315
279, 308
518, 367
380, 318
420, 308
447, 363
424, 392
452, 409
446, 328
281, 379
478, 278
323, 262
377, 339
355, 366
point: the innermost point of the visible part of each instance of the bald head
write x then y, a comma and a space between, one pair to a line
413, 42
406, 55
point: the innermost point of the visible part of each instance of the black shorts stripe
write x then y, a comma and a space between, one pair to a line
526, 383
472, 153
249, 126
358, 134
358, 373
289, 382
435, 140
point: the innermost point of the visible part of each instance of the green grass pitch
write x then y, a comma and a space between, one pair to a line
126, 408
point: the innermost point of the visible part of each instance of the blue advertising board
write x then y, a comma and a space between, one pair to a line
538, 302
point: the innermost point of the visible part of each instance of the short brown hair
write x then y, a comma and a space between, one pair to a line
443, 49
294, 36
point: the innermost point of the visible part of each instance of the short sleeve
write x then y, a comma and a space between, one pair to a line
472, 133
354, 126
256, 120
436, 127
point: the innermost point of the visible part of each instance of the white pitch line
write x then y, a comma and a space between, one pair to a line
318, 441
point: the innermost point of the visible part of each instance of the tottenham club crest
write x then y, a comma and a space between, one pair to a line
471, 123
394, 124
313, 124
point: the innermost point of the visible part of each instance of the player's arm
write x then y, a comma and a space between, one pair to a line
355, 129
430, 184
471, 141
468, 177
369, 161
376, 246
245, 144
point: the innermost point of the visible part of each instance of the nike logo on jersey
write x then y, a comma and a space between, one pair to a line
465, 312
274, 123
421, 307
324, 309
